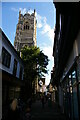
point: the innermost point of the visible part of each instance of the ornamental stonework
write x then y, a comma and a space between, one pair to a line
25, 31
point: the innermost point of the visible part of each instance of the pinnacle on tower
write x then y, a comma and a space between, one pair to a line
25, 31
34, 12
19, 12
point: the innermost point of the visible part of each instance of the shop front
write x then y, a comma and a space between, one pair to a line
71, 92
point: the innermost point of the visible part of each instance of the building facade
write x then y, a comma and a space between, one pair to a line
12, 70
25, 31
66, 52
41, 85
26, 34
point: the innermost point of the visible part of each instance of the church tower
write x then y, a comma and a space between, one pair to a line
25, 31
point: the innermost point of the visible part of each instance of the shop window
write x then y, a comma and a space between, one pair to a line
73, 77
11, 93
15, 67
17, 92
75, 103
79, 93
6, 57
14, 92
70, 83
69, 76
75, 97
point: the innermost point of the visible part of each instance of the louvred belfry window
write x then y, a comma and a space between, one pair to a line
26, 26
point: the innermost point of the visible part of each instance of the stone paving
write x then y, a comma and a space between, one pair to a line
50, 111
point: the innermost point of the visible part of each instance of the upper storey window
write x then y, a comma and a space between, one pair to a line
6, 57
26, 26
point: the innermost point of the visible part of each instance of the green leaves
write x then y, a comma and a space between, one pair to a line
35, 62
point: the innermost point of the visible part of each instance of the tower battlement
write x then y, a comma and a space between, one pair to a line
25, 31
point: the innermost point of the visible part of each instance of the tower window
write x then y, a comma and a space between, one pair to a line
26, 26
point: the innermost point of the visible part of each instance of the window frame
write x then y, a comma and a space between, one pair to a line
6, 58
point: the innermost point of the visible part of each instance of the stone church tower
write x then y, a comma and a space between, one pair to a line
25, 31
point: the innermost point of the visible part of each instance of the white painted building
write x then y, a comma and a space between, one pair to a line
11, 69
8, 52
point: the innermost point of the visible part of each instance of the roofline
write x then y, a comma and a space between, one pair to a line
3, 34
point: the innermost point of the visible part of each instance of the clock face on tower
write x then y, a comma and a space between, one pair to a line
40, 83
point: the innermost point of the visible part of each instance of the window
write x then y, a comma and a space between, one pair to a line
26, 26
6, 57
15, 67
73, 77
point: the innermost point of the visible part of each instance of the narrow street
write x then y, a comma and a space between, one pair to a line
40, 60
49, 112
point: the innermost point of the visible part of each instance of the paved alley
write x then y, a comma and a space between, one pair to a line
49, 112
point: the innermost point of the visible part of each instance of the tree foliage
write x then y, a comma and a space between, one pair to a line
35, 62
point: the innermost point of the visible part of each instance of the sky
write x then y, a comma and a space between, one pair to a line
46, 19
